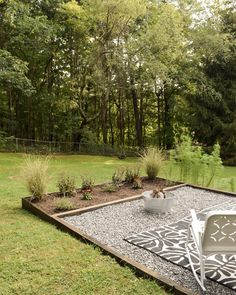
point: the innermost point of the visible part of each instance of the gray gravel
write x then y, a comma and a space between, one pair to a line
111, 224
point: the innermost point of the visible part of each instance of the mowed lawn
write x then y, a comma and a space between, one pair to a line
36, 258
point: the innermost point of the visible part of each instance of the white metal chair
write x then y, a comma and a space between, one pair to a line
215, 235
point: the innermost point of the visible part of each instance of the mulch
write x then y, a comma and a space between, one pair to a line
100, 196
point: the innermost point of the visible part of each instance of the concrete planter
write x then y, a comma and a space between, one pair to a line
158, 205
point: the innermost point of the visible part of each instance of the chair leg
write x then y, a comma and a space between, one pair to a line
202, 263
202, 269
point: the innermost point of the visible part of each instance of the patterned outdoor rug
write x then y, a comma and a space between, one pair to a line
169, 243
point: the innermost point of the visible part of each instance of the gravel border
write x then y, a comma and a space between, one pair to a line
111, 224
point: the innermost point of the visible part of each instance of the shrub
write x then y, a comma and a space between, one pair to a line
137, 183
110, 188
34, 171
66, 185
131, 173
152, 160
214, 163
195, 165
87, 183
118, 176
63, 204
86, 195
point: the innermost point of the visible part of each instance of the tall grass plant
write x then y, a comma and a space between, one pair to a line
34, 172
152, 160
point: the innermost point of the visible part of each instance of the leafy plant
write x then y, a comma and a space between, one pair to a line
110, 188
195, 165
214, 163
66, 185
118, 176
63, 204
131, 173
152, 160
137, 183
86, 195
34, 172
87, 183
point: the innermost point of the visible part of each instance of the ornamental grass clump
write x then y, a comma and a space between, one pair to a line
152, 160
34, 172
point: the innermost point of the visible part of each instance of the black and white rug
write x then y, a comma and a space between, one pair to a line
169, 243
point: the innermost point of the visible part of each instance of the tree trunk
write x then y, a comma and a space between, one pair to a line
137, 117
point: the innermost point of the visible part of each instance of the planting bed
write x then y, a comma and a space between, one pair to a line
101, 196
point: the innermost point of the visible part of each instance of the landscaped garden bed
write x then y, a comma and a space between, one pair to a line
100, 195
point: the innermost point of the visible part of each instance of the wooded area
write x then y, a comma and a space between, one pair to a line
123, 73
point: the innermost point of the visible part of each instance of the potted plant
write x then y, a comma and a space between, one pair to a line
158, 201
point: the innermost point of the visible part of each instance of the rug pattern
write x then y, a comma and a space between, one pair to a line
169, 243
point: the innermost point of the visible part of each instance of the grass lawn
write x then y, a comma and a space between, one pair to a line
36, 258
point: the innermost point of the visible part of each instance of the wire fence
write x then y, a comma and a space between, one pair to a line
12, 144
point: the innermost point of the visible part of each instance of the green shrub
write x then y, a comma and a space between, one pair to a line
63, 204
118, 176
196, 166
87, 182
137, 183
110, 188
214, 163
152, 160
86, 195
131, 173
34, 172
66, 185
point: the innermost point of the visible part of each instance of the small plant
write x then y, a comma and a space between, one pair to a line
87, 183
118, 176
137, 183
110, 188
152, 160
86, 195
63, 204
158, 193
66, 185
34, 172
132, 173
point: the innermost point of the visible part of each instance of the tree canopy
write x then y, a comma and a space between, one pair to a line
125, 73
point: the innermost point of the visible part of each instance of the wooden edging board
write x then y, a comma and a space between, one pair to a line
138, 268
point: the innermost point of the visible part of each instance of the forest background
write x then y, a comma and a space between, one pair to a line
121, 73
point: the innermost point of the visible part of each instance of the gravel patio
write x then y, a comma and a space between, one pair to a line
111, 224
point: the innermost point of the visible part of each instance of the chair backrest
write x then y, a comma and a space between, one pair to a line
219, 234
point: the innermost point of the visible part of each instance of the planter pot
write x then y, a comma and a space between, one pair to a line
158, 205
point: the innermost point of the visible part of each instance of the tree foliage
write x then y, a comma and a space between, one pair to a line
125, 72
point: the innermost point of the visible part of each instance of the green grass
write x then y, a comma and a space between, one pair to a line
36, 258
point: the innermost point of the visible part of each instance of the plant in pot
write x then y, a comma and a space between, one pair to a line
87, 184
156, 201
